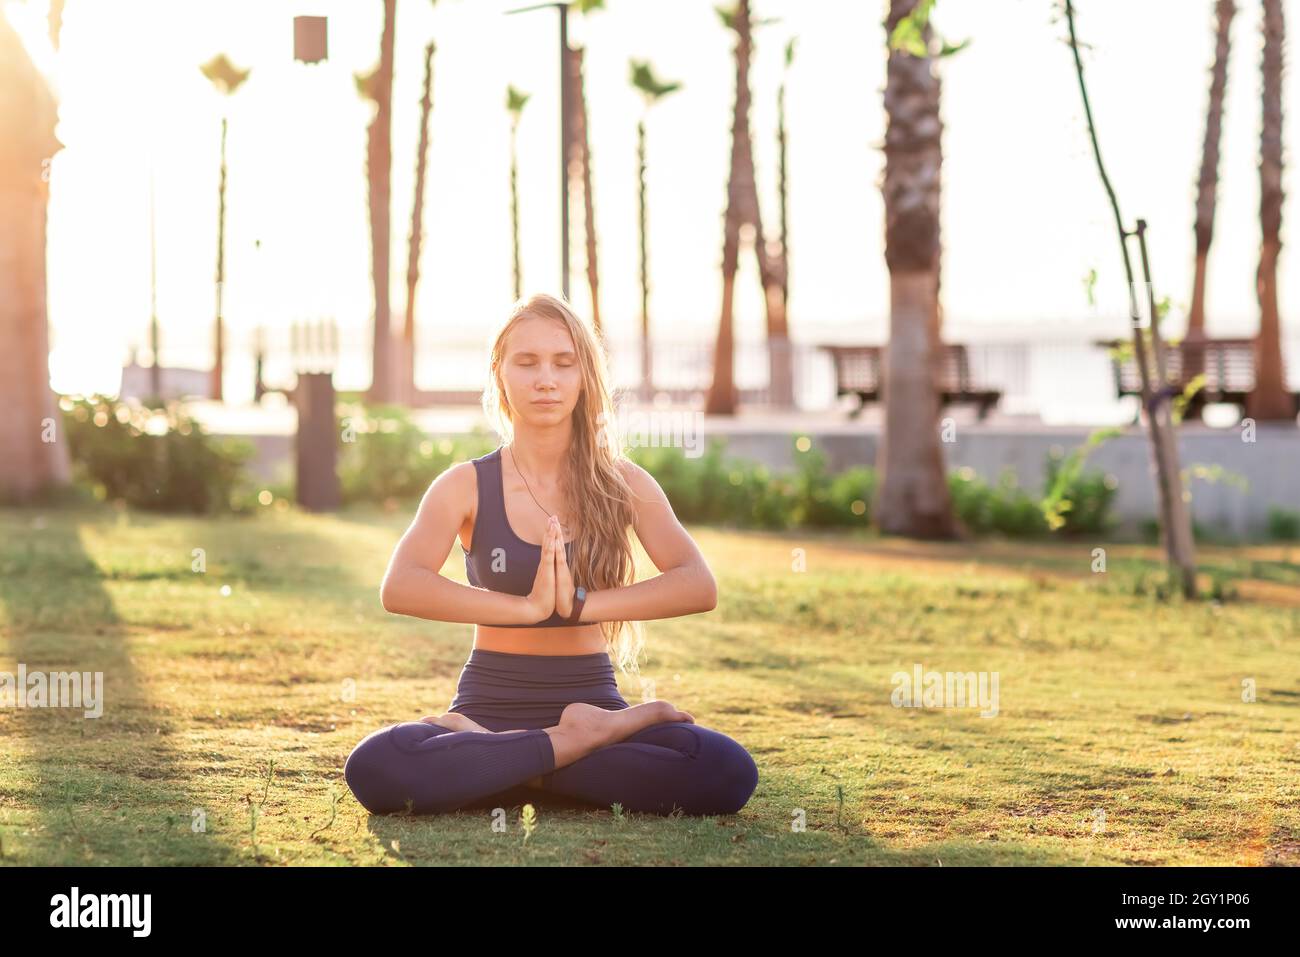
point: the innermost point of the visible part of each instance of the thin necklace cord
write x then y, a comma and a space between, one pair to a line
515, 462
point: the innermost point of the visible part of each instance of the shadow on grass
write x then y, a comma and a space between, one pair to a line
108, 788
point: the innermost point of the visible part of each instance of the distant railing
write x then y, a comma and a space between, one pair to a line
1059, 379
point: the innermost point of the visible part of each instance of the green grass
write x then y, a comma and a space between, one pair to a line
236, 707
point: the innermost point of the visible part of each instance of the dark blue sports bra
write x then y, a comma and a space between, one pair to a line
498, 559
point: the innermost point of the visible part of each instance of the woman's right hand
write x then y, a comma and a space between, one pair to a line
540, 602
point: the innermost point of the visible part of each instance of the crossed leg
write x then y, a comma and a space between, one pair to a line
657, 769
427, 767
463, 722
661, 767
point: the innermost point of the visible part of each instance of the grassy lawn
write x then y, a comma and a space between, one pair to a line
1121, 735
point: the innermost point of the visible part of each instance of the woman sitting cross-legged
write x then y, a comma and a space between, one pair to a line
544, 523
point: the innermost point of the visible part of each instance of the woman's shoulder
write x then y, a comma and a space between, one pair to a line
630, 471
458, 481
466, 472
451, 498
641, 482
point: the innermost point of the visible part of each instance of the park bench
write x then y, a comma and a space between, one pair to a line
859, 371
174, 383
1227, 364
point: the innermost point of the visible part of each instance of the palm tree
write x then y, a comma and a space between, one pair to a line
1269, 399
652, 91
227, 79
913, 498
781, 372
35, 453
55, 19
515, 101
782, 182
579, 157
1207, 184
377, 86
742, 209
417, 226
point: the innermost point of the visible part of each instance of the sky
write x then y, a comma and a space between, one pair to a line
1024, 217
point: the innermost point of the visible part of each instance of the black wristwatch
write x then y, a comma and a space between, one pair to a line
579, 599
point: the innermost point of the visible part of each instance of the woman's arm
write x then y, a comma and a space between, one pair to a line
413, 584
685, 586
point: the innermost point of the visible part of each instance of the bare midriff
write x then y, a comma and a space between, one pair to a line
567, 640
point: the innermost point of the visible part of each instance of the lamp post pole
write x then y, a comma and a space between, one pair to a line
565, 135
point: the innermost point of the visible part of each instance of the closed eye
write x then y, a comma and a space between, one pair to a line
563, 358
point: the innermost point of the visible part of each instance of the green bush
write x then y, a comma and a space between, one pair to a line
713, 489
1081, 500
825, 500
1283, 525
385, 456
1004, 508
1149, 532
706, 488
151, 458
969, 499
701, 489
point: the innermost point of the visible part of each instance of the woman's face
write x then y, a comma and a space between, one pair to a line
539, 371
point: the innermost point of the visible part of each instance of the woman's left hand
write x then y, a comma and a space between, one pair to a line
563, 583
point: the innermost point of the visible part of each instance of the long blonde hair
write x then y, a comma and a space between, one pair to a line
596, 495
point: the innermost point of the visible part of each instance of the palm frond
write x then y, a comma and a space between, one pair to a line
515, 100
223, 74
643, 78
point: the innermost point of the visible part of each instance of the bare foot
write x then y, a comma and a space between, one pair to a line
601, 727
455, 721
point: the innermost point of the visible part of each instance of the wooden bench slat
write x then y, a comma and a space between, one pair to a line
859, 370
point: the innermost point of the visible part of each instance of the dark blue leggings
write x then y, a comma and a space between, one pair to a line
426, 768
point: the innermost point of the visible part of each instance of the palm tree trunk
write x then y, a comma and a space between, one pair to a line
722, 398
514, 206
783, 194
1207, 184
582, 154
417, 231
770, 276
913, 498
742, 196
55, 19
33, 448
647, 361
218, 363
1270, 400
31, 430
379, 161
780, 359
